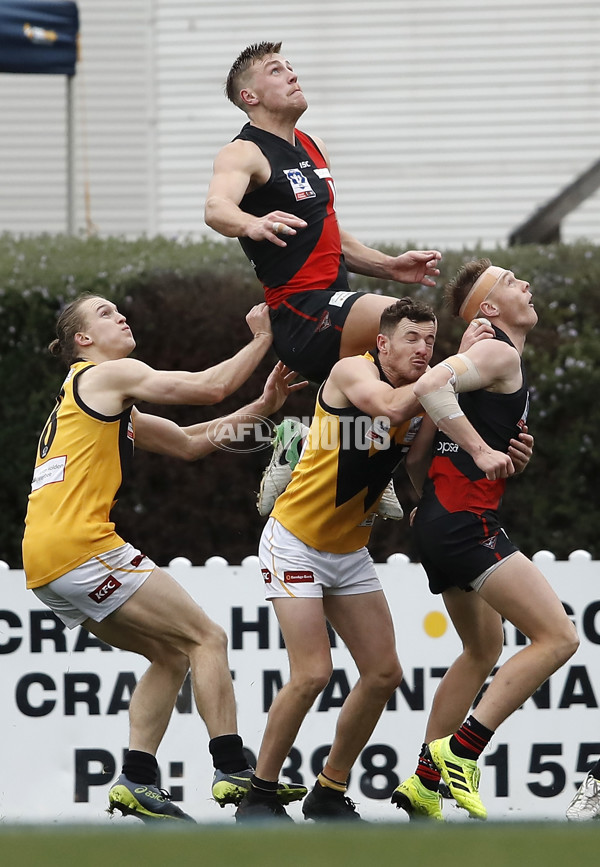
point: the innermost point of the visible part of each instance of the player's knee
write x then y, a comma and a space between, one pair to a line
566, 642
489, 654
395, 678
214, 638
311, 683
559, 642
485, 653
180, 665
386, 679
172, 658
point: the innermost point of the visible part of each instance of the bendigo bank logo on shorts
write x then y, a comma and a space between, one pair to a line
104, 590
303, 577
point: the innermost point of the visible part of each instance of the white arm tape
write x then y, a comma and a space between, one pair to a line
465, 375
441, 403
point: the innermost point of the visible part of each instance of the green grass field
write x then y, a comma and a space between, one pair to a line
376, 845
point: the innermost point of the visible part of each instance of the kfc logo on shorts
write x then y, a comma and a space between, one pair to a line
298, 577
104, 590
267, 578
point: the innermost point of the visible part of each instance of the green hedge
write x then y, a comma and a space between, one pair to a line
186, 303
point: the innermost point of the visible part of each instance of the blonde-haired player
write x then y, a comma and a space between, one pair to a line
78, 565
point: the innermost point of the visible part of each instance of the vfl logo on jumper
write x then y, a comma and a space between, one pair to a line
299, 184
491, 542
298, 578
104, 590
324, 322
267, 578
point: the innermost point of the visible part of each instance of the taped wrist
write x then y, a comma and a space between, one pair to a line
441, 403
465, 374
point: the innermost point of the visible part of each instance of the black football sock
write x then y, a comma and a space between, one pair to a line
261, 790
140, 767
471, 739
228, 754
426, 771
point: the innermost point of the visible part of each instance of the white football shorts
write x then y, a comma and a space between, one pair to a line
97, 587
291, 568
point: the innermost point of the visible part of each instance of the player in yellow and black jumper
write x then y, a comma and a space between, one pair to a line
316, 567
77, 564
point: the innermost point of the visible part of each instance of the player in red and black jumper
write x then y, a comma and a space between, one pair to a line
477, 401
272, 188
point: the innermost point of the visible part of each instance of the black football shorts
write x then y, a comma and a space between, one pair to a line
457, 548
307, 330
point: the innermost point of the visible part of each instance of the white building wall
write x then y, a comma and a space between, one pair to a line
447, 123
112, 115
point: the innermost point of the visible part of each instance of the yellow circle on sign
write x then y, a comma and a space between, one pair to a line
435, 624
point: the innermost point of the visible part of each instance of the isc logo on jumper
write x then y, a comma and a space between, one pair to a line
299, 184
104, 590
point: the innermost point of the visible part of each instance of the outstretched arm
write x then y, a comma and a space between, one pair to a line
113, 385
415, 266
162, 436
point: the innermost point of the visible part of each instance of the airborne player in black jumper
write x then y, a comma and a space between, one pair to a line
272, 188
